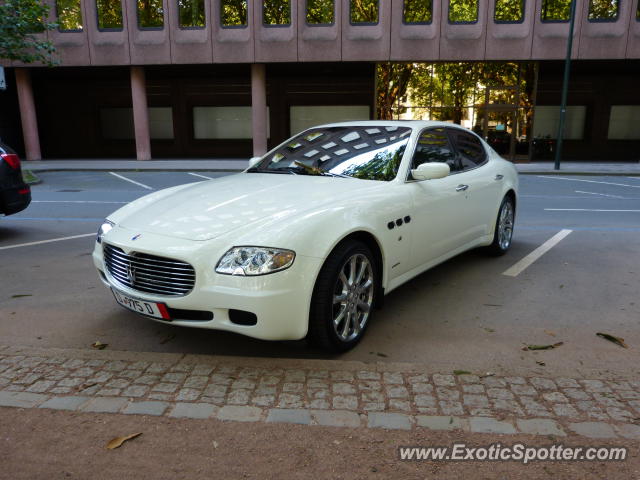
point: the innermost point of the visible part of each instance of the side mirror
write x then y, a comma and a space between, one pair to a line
431, 171
253, 161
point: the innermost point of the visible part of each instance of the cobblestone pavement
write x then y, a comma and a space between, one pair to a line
343, 394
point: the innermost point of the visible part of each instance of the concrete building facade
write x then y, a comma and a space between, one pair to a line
231, 78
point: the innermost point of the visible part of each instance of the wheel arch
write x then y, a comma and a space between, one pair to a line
372, 242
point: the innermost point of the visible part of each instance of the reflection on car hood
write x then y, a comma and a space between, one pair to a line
209, 209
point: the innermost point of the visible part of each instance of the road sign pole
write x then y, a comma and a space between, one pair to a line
565, 86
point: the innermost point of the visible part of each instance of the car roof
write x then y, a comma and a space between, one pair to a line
414, 124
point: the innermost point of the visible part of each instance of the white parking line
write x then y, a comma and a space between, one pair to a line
520, 266
132, 181
586, 210
553, 177
201, 176
48, 241
72, 201
601, 194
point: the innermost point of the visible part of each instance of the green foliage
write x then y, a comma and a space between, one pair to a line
447, 89
320, 12
555, 10
233, 13
509, 10
191, 13
417, 11
20, 22
109, 14
276, 12
463, 11
603, 9
364, 11
150, 14
69, 15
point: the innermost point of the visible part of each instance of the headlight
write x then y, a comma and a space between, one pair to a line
104, 228
254, 261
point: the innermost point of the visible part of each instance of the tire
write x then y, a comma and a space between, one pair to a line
341, 308
503, 233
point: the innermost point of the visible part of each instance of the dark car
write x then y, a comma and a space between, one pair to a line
15, 195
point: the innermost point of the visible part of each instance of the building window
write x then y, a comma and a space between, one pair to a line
624, 122
233, 13
603, 10
191, 14
109, 14
303, 117
547, 119
150, 14
555, 10
117, 123
509, 11
320, 12
69, 15
276, 12
463, 11
221, 123
416, 12
364, 11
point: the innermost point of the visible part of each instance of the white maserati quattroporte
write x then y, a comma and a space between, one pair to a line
308, 239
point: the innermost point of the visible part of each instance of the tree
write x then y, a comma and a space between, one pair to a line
20, 23
392, 82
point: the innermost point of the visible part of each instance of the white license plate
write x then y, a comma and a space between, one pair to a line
150, 309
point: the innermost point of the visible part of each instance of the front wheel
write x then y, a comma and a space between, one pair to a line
343, 297
503, 232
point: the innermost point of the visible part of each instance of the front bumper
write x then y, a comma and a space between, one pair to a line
280, 300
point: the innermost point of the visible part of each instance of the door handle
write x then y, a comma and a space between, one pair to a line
461, 188
499, 177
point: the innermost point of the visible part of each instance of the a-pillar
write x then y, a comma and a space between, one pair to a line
28, 114
140, 113
259, 109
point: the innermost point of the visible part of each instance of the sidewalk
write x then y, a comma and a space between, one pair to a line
317, 392
236, 165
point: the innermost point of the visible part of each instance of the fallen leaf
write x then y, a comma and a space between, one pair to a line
99, 345
22, 295
617, 340
489, 330
461, 372
118, 441
542, 364
549, 332
542, 347
84, 386
168, 338
381, 354
215, 444
488, 374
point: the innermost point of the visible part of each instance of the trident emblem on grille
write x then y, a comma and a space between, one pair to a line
131, 273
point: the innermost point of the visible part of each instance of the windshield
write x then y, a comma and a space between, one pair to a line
365, 152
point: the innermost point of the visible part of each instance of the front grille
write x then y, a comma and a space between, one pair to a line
148, 273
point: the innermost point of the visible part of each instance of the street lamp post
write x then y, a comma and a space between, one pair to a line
565, 85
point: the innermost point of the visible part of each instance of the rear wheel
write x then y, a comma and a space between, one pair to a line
503, 232
343, 297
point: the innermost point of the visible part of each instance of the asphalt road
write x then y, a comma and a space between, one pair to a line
464, 314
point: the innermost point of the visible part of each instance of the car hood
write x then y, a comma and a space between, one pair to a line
206, 210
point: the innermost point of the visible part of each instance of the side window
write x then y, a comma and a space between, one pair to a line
434, 146
470, 149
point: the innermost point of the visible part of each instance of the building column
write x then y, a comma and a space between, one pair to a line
259, 120
28, 114
140, 113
